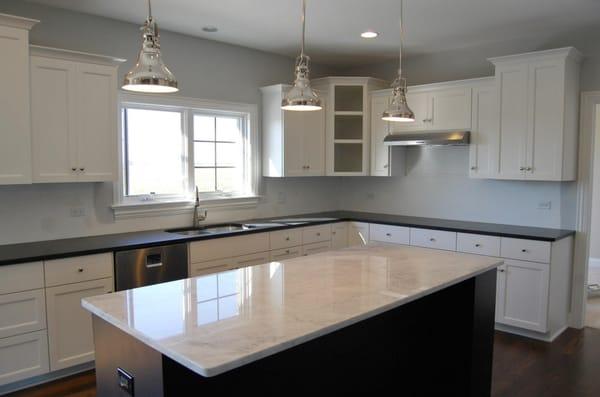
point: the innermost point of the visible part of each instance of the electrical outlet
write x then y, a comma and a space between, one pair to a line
544, 205
77, 211
281, 197
125, 382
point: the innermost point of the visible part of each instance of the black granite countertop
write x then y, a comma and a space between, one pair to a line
54, 249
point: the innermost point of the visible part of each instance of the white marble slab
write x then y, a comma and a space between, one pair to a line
219, 322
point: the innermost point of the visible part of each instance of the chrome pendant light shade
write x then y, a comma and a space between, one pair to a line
399, 111
150, 74
301, 97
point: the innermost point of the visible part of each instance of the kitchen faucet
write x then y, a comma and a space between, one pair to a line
198, 217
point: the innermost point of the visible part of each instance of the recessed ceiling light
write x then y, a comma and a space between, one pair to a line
210, 29
369, 34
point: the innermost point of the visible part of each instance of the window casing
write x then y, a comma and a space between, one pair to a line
170, 145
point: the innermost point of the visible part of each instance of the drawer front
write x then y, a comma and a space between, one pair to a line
527, 250
389, 234
228, 247
478, 244
339, 235
259, 258
78, 269
21, 277
252, 260
285, 238
23, 356
22, 312
286, 253
315, 234
437, 239
315, 248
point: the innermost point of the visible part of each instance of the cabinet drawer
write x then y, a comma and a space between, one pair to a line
23, 356
389, 234
230, 263
22, 312
339, 235
478, 244
527, 250
285, 238
286, 253
315, 248
437, 239
21, 277
77, 269
315, 234
228, 247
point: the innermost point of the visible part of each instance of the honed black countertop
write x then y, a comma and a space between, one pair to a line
54, 249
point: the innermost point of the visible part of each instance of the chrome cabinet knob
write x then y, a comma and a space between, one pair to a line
528, 169
432, 239
477, 245
318, 234
82, 169
501, 270
389, 234
521, 168
524, 250
80, 270
74, 169
385, 166
473, 168
287, 239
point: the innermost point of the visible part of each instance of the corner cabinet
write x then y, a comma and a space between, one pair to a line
347, 132
293, 142
537, 102
15, 130
73, 116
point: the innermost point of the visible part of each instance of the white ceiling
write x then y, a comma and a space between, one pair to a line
333, 26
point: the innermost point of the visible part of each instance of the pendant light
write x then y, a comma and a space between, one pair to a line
301, 96
398, 110
150, 74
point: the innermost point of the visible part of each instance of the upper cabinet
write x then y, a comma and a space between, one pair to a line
347, 137
73, 116
537, 103
15, 130
483, 128
293, 142
437, 108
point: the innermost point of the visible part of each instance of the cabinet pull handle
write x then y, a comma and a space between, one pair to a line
74, 169
524, 250
432, 239
287, 251
521, 168
528, 169
385, 166
82, 169
287, 239
477, 245
80, 270
389, 234
473, 168
318, 234
501, 270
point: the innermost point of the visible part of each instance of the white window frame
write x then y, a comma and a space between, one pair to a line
146, 205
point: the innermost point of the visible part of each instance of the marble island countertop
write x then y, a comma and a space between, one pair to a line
219, 322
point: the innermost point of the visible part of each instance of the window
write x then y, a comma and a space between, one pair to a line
170, 147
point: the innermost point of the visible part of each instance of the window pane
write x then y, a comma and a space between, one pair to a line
204, 154
229, 179
228, 129
204, 128
229, 154
155, 152
205, 179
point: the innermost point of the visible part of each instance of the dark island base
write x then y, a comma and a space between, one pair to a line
438, 345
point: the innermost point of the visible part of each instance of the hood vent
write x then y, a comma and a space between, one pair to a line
440, 138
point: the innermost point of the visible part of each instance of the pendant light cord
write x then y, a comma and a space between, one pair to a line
149, 10
401, 38
303, 26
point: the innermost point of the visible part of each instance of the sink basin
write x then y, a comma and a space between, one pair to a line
213, 229
301, 221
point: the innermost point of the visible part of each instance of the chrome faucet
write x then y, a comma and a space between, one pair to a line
199, 215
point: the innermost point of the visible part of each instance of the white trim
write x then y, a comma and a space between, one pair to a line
15, 21
589, 104
545, 337
59, 53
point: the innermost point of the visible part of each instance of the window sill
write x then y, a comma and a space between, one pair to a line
164, 208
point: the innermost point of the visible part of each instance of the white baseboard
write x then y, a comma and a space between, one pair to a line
594, 263
546, 337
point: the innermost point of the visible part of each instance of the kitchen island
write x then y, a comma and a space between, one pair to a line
373, 319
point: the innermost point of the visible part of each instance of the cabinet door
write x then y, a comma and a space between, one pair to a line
546, 121
380, 153
314, 142
15, 143
419, 104
358, 233
523, 295
70, 335
53, 121
293, 142
511, 141
23, 356
96, 115
450, 109
339, 235
483, 132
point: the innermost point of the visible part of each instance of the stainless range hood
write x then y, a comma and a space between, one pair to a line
437, 138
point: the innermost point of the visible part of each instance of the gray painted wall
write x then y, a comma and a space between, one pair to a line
205, 69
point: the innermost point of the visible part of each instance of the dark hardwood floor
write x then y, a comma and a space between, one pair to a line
570, 366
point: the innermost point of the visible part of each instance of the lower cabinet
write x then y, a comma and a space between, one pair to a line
23, 356
315, 248
522, 294
358, 233
339, 235
70, 334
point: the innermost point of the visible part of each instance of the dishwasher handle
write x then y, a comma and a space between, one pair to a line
153, 260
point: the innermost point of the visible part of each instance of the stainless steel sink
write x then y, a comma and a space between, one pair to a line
302, 221
222, 228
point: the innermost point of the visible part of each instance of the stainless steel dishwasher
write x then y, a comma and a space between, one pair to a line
152, 265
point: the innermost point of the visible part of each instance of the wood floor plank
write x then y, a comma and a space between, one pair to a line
568, 367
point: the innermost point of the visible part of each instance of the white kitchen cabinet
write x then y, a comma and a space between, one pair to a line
315, 248
285, 238
438, 107
73, 116
437, 239
358, 233
315, 234
347, 125
537, 103
15, 128
230, 247
339, 235
380, 153
22, 312
23, 356
389, 234
286, 253
522, 296
293, 142
478, 244
70, 334
484, 129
